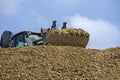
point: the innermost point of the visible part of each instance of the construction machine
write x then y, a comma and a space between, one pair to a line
24, 38
63, 36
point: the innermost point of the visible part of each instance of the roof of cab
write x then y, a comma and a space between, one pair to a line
25, 32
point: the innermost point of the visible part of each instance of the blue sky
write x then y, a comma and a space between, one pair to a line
101, 18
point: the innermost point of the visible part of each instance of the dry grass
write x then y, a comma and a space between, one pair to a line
59, 63
70, 36
70, 31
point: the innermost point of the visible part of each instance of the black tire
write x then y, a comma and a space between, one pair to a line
6, 39
0, 42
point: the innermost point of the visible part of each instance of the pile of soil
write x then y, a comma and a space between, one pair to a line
69, 36
59, 63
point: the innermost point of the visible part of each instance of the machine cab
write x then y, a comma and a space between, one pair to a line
26, 38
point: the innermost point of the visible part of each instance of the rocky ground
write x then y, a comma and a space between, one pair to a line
59, 63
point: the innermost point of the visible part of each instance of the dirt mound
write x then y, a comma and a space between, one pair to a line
70, 36
59, 62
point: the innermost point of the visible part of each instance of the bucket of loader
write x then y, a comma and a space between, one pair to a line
69, 37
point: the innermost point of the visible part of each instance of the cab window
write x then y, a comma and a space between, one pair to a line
19, 40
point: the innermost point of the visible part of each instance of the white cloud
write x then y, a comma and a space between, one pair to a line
9, 7
102, 33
